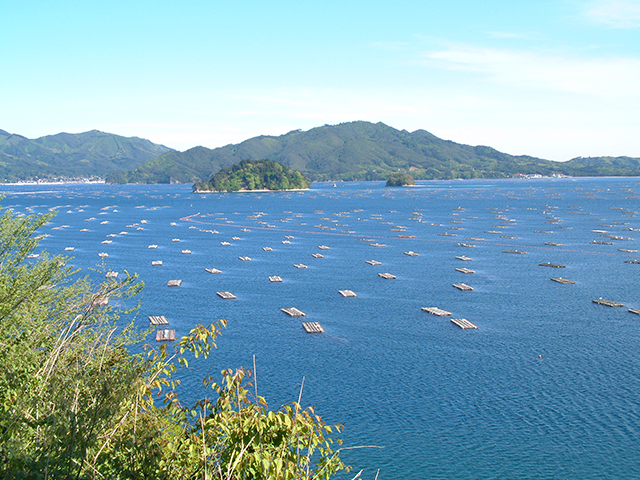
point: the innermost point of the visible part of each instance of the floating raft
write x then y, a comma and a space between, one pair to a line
165, 335
245, 259
226, 244
377, 244
412, 254
212, 270
463, 323
69, 249
235, 238
517, 252
153, 246
635, 310
632, 261
436, 311
463, 286
465, 270
323, 247
599, 242
103, 254
554, 265
387, 276
111, 275
627, 250
105, 242
267, 249
275, 278
299, 265
286, 242
467, 245
156, 263
464, 258
158, 320
186, 252
347, 293
174, 283
312, 327
564, 281
226, 295
608, 303
293, 312
289, 237
175, 239
373, 262
317, 255
554, 244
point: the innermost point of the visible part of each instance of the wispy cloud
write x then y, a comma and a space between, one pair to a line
602, 76
614, 13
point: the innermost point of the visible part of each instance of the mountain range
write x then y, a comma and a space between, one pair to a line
348, 151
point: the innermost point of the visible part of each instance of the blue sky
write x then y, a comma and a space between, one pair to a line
554, 79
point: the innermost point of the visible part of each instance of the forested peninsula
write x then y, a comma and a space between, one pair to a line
254, 175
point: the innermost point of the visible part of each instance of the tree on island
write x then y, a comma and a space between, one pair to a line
400, 180
75, 402
254, 175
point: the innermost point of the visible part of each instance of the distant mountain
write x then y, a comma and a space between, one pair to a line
365, 151
86, 154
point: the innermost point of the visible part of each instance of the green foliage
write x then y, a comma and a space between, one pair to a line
400, 180
76, 403
258, 175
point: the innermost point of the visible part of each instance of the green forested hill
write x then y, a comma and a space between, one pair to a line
85, 154
365, 151
254, 175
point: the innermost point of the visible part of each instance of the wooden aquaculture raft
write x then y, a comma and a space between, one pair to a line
463, 286
463, 323
275, 278
464, 258
293, 312
312, 327
373, 262
212, 270
465, 270
635, 310
158, 320
156, 263
245, 259
608, 303
632, 261
554, 265
387, 276
267, 249
323, 247
186, 252
347, 293
564, 281
165, 335
436, 311
226, 295
317, 255
517, 252
174, 283
153, 246
299, 265
412, 253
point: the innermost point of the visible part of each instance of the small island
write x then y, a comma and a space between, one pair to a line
254, 175
400, 180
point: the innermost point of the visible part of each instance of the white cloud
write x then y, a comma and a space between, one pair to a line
615, 13
601, 76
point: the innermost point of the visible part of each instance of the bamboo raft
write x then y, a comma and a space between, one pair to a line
627, 250
312, 327
464, 258
347, 293
275, 278
412, 253
554, 265
608, 303
373, 262
377, 244
517, 252
554, 244
436, 311
226, 295
387, 276
463, 286
245, 259
299, 265
463, 323
632, 261
158, 320
317, 255
174, 283
156, 263
600, 242
212, 270
564, 281
465, 270
165, 335
293, 312
467, 245
447, 234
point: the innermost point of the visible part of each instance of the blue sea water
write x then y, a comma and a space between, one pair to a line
546, 387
